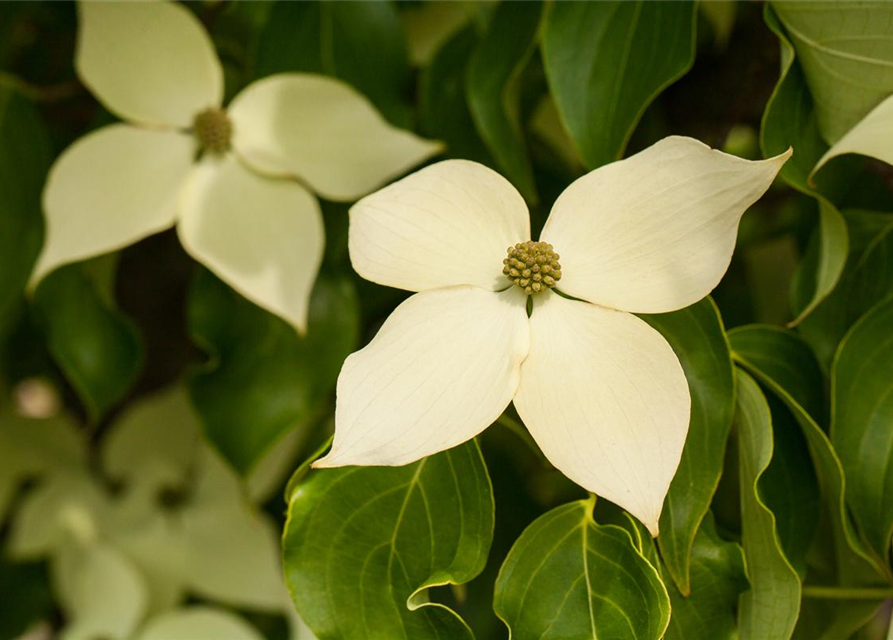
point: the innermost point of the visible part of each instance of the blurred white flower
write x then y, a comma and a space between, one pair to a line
242, 209
601, 391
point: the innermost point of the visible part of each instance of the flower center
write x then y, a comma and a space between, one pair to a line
533, 266
213, 130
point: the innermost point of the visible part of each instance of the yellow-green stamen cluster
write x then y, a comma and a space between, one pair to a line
213, 129
533, 266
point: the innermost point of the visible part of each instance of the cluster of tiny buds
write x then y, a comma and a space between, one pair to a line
213, 130
533, 266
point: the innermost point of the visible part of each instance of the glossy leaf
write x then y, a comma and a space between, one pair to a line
785, 364
846, 51
25, 156
362, 545
568, 577
99, 349
493, 87
697, 337
262, 379
862, 405
717, 577
607, 61
790, 121
867, 280
361, 43
769, 609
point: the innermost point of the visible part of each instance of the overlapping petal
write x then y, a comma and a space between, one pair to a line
109, 189
149, 62
655, 232
442, 368
324, 132
448, 224
607, 401
263, 236
198, 623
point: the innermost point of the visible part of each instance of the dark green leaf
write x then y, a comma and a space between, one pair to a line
769, 609
757, 348
846, 51
443, 110
98, 349
25, 156
362, 545
862, 404
262, 378
568, 577
606, 62
493, 88
696, 335
361, 43
717, 577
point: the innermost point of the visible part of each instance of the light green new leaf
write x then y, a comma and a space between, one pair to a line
697, 337
606, 62
785, 364
867, 280
769, 609
717, 577
862, 415
262, 379
492, 88
790, 121
99, 349
846, 50
362, 545
361, 43
25, 157
568, 577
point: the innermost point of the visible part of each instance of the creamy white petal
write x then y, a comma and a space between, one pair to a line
198, 623
110, 189
606, 400
149, 62
263, 236
442, 368
872, 136
655, 232
324, 132
445, 225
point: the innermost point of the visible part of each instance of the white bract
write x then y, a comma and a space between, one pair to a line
241, 209
601, 391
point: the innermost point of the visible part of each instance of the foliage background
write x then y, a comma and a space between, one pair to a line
542, 93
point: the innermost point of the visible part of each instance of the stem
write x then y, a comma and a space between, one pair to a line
37, 93
847, 593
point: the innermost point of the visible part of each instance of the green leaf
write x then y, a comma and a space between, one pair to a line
697, 336
717, 577
862, 406
443, 110
790, 121
769, 609
362, 545
493, 88
262, 379
98, 349
568, 577
361, 43
25, 157
846, 50
785, 364
867, 280
607, 61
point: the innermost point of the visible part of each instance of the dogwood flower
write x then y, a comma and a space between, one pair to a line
602, 393
238, 208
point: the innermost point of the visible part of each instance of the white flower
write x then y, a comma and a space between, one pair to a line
601, 391
238, 209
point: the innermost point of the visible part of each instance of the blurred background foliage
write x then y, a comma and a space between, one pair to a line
139, 393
